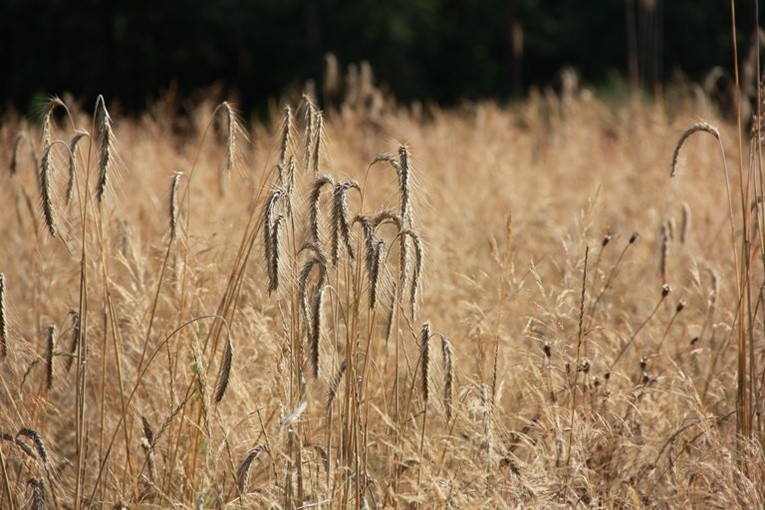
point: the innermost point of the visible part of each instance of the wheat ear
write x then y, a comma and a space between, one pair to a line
46, 168
75, 337
106, 141
3, 320
174, 203
225, 372
446, 350
316, 330
242, 472
424, 358
316, 187
696, 128
317, 129
286, 135
49, 356
341, 228
270, 251
73, 164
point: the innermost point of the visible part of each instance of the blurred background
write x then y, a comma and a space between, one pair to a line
133, 51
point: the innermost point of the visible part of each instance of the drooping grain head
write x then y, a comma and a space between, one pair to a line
174, 203
318, 130
49, 356
46, 168
416, 271
275, 237
225, 372
32, 434
374, 276
403, 162
242, 472
685, 222
286, 135
341, 228
75, 318
316, 187
425, 358
79, 135
47, 126
446, 350
696, 128
268, 237
316, 330
106, 142
3, 320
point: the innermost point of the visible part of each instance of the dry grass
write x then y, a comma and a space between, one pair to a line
271, 346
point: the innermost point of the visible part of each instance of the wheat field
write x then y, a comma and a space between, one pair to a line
485, 306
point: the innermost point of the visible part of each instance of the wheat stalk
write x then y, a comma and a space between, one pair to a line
696, 128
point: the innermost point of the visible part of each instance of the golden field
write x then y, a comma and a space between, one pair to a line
216, 344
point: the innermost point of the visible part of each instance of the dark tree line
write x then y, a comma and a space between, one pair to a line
444, 50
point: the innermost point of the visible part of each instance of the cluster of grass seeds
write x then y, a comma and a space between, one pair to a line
271, 345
